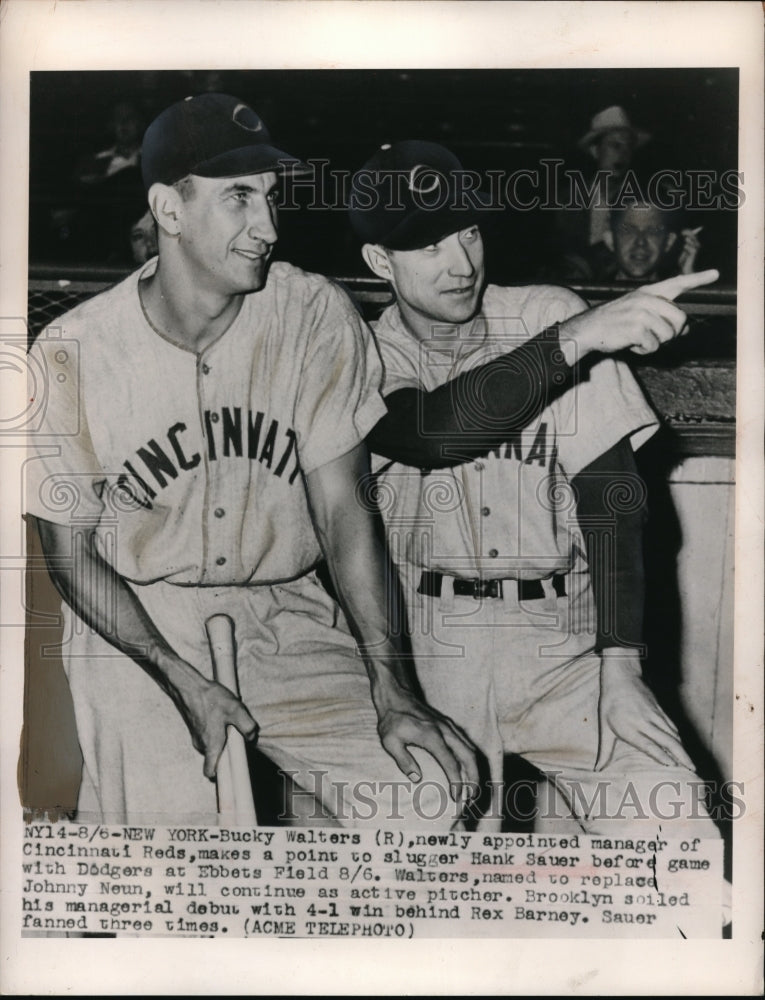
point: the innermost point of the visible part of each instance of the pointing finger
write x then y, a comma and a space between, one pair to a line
670, 288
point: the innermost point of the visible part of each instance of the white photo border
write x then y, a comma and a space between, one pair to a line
291, 34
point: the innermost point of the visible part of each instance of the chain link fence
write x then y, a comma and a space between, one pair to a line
50, 296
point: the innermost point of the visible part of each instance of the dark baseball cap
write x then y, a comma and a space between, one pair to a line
211, 135
413, 193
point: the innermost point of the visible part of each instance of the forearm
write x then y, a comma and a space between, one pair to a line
104, 601
371, 599
611, 512
477, 410
474, 413
365, 582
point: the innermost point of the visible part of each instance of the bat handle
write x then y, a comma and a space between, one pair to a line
235, 801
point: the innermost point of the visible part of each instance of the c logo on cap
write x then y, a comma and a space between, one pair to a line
417, 179
246, 118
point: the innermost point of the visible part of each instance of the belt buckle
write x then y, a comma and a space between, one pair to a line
486, 588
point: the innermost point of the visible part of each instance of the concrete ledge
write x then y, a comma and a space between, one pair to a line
699, 389
697, 402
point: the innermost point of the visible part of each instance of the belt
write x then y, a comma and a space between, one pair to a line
528, 590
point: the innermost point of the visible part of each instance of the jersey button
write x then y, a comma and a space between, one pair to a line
493, 553
219, 512
205, 369
214, 417
486, 511
478, 466
221, 560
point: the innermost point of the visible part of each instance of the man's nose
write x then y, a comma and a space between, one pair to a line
262, 224
460, 262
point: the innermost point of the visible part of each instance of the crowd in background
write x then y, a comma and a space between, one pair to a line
95, 214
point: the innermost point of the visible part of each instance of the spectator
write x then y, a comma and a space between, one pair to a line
643, 236
143, 238
126, 125
611, 142
109, 195
644, 242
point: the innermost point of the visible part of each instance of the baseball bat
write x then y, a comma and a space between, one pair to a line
235, 802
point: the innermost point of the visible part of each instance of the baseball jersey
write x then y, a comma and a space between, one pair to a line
190, 465
511, 513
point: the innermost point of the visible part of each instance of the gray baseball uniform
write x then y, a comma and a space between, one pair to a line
514, 663
190, 467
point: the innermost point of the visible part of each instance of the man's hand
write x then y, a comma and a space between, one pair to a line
628, 711
689, 250
406, 721
207, 709
641, 320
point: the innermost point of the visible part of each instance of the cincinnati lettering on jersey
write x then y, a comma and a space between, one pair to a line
540, 451
230, 432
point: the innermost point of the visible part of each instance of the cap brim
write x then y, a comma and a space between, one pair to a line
424, 226
256, 159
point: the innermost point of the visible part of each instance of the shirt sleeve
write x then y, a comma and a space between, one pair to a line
604, 405
557, 304
339, 399
64, 479
400, 369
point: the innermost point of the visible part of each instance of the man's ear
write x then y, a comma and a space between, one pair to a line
376, 259
165, 203
670, 242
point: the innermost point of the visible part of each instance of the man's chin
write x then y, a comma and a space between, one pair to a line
256, 281
640, 272
461, 312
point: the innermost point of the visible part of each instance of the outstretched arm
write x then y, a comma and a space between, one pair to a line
476, 411
104, 601
368, 591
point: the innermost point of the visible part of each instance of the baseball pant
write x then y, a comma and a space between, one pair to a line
300, 676
522, 677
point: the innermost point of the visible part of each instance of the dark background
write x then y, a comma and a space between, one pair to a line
492, 119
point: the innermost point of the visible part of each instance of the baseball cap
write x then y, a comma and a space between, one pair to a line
210, 135
413, 193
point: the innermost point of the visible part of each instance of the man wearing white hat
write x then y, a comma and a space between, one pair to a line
612, 138
611, 141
